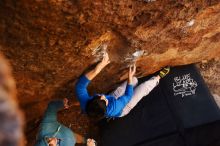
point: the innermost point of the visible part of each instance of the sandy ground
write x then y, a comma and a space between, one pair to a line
79, 123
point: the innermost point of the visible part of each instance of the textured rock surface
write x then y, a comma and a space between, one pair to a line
50, 43
210, 71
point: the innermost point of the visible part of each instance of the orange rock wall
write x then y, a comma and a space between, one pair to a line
51, 42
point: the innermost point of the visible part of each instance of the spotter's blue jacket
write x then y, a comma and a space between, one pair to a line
50, 127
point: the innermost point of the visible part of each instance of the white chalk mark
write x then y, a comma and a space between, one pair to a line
148, 1
134, 57
99, 52
190, 23
138, 53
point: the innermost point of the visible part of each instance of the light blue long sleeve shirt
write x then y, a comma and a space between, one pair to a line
50, 127
115, 106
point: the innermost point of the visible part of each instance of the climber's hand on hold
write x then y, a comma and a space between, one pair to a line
131, 73
91, 142
65, 103
105, 61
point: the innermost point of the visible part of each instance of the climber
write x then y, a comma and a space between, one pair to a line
121, 101
52, 133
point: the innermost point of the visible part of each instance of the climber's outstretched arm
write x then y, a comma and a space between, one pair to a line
51, 113
92, 74
81, 85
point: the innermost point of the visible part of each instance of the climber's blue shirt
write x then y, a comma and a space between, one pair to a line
115, 106
50, 127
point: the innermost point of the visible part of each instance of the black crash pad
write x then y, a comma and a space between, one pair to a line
189, 97
180, 103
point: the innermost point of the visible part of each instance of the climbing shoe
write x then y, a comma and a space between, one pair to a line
164, 72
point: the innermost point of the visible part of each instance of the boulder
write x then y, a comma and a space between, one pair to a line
50, 43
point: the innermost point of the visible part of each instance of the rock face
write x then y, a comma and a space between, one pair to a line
51, 42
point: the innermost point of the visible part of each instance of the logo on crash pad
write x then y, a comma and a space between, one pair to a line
184, 85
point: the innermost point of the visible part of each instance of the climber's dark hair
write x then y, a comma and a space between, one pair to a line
96, 108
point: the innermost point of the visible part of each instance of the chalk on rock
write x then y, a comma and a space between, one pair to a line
149, 1
190, 23
100, 52
138, 53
